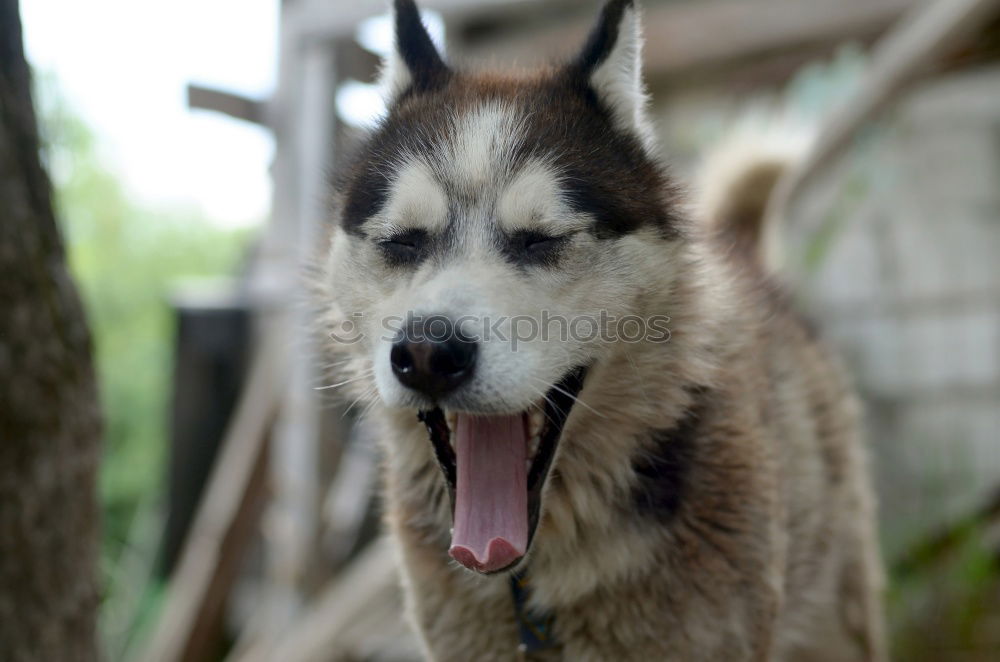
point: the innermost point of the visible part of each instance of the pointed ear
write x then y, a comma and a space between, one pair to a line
611, 65
414, 62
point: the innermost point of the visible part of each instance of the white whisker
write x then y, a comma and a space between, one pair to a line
572, 397
369, 393
366, 375
336, 364
368, 408
545, 398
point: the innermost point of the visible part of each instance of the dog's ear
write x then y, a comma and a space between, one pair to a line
611, 65
415, 63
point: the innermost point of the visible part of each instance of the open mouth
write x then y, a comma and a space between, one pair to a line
495, 467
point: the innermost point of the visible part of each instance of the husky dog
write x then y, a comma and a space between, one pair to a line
567, 475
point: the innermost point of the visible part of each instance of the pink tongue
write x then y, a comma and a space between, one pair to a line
491, 497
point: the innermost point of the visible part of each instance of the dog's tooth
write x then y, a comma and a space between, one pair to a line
452, 420
536, 420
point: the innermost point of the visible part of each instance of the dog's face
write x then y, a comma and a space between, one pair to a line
493, 235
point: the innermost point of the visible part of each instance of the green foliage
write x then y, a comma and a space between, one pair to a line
835, 221
943, 603
124, 257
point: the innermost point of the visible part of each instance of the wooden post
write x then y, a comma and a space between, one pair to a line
211, 353
191, 619
357, 612
304, 124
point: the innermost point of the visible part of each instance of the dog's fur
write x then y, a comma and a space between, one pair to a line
709, 497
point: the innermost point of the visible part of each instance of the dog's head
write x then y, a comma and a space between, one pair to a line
494, 237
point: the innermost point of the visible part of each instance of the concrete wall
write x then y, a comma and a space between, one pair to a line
903, 275
910, 289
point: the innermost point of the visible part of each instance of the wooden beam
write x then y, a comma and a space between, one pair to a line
358, 613
687, 37
354, 62
300, 207
923, 41
714, 34
191, 618
211, 354
227, 103
321, 19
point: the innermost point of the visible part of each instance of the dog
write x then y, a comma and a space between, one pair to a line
607, 433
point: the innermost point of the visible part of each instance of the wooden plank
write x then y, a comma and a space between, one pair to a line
227, 103
715, 34
306, 145
359, 614
191, 618
321, 19
924, 40
211, 355
687, 37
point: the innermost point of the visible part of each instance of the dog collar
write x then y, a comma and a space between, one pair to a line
536, 629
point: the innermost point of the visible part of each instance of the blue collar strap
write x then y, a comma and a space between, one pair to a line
536, 629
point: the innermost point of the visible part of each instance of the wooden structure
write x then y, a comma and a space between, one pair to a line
212, 347
282, 450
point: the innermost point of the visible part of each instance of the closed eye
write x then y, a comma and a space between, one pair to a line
403, 248
532, 247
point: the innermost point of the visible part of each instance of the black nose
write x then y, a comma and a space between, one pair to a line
432, 356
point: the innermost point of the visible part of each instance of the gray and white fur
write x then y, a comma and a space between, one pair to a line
709, 496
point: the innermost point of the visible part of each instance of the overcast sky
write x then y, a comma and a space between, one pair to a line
124, 66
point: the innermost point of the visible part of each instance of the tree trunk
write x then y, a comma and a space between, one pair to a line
49, 420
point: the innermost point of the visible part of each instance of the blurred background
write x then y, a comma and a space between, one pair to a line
190, 145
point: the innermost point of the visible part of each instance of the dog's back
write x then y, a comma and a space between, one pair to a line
808, 418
